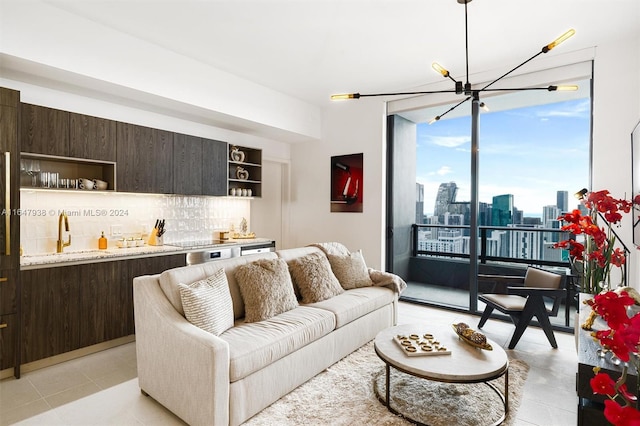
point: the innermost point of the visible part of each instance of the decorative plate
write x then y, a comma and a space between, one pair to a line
425, 345
485, 346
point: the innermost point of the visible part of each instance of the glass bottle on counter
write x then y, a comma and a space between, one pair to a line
102, 242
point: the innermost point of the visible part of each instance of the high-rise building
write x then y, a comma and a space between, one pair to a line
550, 220
419, 203
446, 195
502, 211
562, 201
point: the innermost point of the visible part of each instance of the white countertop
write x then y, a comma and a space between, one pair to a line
70, 257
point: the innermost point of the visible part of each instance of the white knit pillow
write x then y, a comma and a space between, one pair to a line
350, 270
207, 303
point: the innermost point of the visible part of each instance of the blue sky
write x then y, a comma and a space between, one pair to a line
529, 152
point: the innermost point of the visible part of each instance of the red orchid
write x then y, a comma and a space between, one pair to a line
597, 251
618, 258
621, 416
603, 384
623, 339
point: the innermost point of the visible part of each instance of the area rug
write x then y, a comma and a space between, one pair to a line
344, 394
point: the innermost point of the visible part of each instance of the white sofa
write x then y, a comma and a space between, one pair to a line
224, 380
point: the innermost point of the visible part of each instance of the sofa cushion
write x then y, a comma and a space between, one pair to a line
207, 303
350, 270
353, 304
266, 288
253, 346
313, 276
170, 279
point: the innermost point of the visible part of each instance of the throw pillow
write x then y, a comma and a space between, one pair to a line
207, 303
312, 274
266, 288
351, 270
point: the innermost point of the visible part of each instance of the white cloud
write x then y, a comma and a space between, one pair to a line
450, 141
443, 171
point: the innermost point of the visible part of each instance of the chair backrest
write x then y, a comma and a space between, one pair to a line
542, 279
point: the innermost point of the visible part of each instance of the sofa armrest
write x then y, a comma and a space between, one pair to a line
181, 366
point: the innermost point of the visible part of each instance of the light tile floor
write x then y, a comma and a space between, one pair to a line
102, 389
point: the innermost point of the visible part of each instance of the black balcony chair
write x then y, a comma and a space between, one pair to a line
525, 300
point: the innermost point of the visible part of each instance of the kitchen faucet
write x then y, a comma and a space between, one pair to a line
61, 244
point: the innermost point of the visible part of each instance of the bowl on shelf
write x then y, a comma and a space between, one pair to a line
100, 184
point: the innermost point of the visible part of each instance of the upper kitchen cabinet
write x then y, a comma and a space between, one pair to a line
44, 130
187, 164
214, 167
245, 171
92, 137
145, 159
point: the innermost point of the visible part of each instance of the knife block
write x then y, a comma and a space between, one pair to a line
154, 240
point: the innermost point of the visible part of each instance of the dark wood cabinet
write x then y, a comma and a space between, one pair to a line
50, 307
214, 167
72, 307
144, 159
92, 137
9, 229
44, 130
104, 305
8, 335
187, 165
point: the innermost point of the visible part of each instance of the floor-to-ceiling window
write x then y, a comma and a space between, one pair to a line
534, 154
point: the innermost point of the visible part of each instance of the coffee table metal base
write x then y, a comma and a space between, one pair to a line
504, 397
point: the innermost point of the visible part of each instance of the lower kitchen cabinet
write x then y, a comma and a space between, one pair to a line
50, 299
71, 307
8, 335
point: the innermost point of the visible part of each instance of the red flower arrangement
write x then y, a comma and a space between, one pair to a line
623, 339
597, 252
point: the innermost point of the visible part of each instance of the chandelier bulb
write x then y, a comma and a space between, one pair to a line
345, 96
440, 69
434, 119
563, 88
559, 40
483, 106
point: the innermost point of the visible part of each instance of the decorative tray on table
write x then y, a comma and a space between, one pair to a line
471, 337
415, 345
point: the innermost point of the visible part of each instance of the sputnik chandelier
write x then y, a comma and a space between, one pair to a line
466, 88
473, 94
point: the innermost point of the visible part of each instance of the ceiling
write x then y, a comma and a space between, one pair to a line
310, 49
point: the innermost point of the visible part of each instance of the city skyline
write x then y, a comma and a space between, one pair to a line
530, 152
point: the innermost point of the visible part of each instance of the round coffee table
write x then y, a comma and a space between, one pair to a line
465, 364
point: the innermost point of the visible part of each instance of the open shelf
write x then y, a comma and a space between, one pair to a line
33, 165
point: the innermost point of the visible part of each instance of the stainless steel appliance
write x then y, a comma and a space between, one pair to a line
211, 254
258, 248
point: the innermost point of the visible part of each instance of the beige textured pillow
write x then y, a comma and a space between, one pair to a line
350, 270
266, 288
312, 274
207, 303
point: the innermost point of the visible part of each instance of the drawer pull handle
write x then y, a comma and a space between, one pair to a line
3, 325
3, 279
7, 202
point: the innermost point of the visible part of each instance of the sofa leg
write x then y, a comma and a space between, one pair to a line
143, 392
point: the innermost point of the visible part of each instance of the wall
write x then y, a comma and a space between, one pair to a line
348, 128
616, 110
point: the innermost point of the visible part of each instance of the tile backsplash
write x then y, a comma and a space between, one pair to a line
188, 218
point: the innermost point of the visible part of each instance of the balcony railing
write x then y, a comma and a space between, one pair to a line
440, 256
